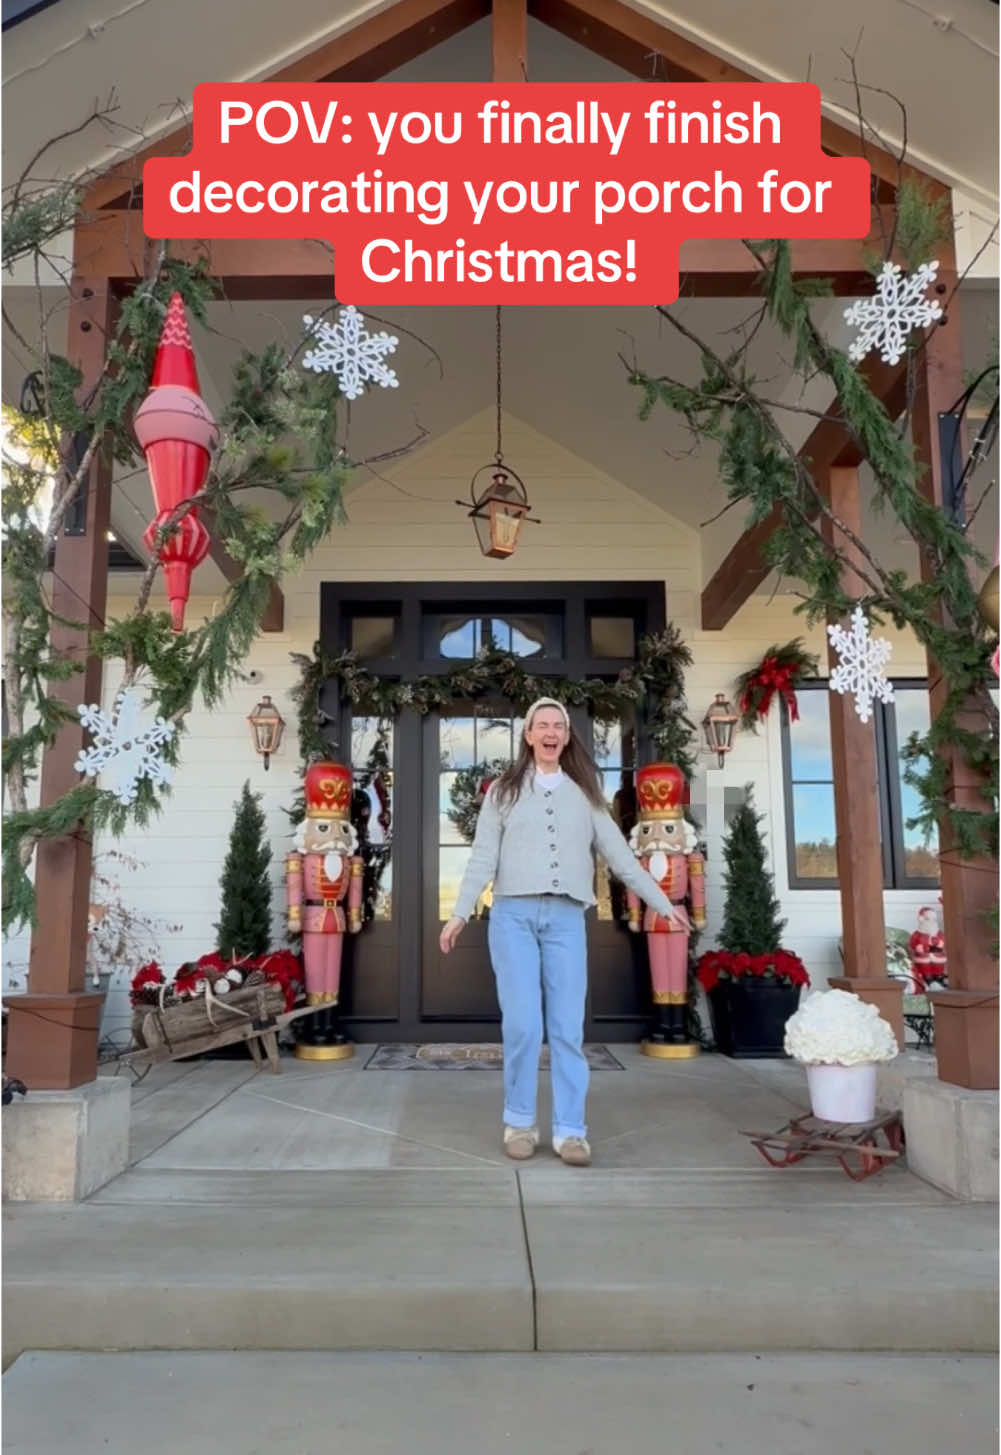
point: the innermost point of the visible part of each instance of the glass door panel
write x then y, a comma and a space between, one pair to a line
464, 750
372, 987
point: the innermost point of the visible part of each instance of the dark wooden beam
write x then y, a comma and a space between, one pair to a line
651, 51
112, 242
53, 1028
509, 41
966, 1015
856, 792
367, 52
829, 446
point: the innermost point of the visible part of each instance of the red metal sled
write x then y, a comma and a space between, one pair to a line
856, 1145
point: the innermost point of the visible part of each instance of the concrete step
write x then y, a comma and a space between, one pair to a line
406, 1261
496, 1259
555, 1404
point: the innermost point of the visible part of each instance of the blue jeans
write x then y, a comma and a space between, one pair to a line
538, 944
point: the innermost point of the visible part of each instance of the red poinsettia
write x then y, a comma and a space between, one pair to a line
145, 984
212, 963
189, 980
285, 970
781, 966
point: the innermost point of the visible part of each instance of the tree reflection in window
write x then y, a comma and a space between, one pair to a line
372, 811
615, 756
464, 636
471, 751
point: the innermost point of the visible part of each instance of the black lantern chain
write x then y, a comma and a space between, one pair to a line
500, 508
500, 395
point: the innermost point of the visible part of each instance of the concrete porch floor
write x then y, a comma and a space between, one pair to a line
334, 1207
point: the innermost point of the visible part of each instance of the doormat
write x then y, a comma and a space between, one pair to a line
469, 1058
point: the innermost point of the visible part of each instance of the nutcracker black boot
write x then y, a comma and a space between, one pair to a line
659, 1030
679, 1031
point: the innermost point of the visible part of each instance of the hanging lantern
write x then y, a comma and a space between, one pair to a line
499, 508
718, 726
177, 433
266, 728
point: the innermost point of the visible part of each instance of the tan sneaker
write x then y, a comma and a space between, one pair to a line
574, 1151
521, 1142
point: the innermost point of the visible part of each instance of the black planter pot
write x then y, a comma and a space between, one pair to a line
749, 1016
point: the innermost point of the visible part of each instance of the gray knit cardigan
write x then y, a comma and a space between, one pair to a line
545, 843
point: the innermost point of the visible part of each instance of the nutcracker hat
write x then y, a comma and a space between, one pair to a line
328, 791
661, 791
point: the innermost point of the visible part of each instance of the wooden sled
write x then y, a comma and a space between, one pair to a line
856, 1145
171, 1036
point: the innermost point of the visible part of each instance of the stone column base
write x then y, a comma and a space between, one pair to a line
60, 1146
966, 1037
885, 994
952, 1138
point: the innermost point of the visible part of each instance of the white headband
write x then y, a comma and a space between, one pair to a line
545, 702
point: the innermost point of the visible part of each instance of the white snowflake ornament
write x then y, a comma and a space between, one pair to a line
898, 306
861, 669
127, 744
346, 349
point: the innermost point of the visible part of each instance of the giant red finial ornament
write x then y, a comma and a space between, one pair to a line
177, 433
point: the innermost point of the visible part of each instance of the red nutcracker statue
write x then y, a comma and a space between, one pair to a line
666, 846
320, 874
927, 946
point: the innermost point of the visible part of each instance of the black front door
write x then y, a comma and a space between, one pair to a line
417, 782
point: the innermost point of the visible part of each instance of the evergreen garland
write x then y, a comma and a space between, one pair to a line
780, 670
244, 927
761, 469
278, 433
655, 684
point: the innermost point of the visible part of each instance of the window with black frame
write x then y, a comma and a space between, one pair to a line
909, 862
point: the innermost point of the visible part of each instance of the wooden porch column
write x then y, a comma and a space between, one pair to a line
856, 802
53, 1028
966, 1015
509, 32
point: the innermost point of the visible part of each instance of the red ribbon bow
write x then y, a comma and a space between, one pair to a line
771, 677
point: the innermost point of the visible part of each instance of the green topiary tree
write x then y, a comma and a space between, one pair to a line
244, 927
751, 920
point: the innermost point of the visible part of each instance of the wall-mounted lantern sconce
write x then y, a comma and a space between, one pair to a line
718, 725
266, 728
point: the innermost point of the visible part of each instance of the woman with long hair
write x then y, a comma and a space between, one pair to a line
540, 825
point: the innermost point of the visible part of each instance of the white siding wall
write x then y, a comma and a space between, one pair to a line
592, 528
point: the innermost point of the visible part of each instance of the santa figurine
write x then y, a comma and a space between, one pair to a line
927, 947
322, 874
667, 848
